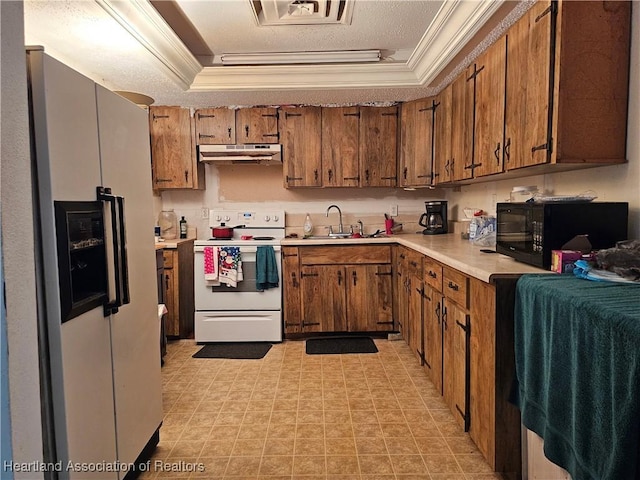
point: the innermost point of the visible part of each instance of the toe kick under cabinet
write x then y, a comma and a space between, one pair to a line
337, 289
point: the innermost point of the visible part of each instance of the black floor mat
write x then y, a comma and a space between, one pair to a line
334, 345
239, 350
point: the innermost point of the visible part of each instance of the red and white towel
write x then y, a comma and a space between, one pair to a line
211, 264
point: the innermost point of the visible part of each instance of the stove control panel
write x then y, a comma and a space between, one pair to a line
248, 218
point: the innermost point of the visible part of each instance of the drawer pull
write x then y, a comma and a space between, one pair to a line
453, 286
433, 274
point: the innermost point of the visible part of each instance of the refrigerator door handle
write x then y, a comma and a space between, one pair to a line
124, 261
104, 195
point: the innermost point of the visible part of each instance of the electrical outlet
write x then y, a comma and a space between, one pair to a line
393, 210
204, 213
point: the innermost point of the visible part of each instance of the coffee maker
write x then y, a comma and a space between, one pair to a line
435, 218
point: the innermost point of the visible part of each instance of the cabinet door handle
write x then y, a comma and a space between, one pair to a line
330, 173
339, 277
453, 286
507, 149
246, 131
229, 132
444, 317
166, 282
438, 312
186, 176
294, 280
404, 173
366, 176
446, 167
315, 174
354, 275
496, 152
203, 135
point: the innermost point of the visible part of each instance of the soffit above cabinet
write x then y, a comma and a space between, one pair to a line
170, 50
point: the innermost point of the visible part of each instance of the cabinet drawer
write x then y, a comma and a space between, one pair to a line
455, 285
345, 255
414, 262
168, 258
432, 273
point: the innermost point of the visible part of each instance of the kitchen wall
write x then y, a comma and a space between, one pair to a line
243, 186
247, 186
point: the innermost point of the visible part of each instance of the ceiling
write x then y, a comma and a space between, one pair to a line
170, 50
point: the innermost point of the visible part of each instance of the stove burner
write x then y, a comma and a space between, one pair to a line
264, 238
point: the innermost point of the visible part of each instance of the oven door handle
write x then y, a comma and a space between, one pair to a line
246, 249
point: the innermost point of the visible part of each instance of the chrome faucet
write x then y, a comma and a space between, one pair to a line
340, 227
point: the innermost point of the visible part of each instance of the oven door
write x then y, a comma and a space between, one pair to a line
243, 297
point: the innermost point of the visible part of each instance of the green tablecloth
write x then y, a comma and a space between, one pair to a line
577, 347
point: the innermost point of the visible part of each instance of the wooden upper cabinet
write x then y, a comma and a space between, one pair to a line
257, 125
416, 143
490, 103
173, 157
442, 137
340, 140
527, 91
462, 105
215, 126
567, 84
378, 146
300, 135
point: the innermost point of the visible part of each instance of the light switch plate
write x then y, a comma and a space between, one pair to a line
393, 210
204, 213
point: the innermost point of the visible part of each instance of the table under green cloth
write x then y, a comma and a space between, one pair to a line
577, 348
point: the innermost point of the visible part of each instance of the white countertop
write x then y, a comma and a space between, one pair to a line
449, 249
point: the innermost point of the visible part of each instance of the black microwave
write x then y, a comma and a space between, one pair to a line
529, 232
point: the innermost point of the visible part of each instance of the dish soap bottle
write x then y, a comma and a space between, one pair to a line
307, 227
183, 228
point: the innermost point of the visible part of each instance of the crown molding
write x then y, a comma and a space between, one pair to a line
455, 24
303, 77
453, 27
145, 24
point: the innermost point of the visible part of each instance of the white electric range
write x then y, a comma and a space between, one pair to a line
241, 313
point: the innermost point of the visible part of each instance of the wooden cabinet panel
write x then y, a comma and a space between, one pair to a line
432, 273
462, 113
442, 137
172, 321
257, 125
358, 254
173, 159
455, 285
414, 315
300, 135
432, 328
179, 296
369, 298
378, 146
455, 361
340, 140
416, 143
323, 298
292, 300
215, 126
490, 103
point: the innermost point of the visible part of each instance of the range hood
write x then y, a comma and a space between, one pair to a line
263, 154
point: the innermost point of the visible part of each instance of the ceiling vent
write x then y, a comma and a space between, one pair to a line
303, 12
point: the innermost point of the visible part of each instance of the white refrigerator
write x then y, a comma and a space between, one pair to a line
100, 364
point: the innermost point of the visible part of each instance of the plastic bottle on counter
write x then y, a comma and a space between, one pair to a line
183, 228
168, 224
308, 226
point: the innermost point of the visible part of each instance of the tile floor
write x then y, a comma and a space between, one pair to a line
297, 416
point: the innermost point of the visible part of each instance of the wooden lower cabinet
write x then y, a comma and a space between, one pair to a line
178, 285
455, 361
337, 289
432, 330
